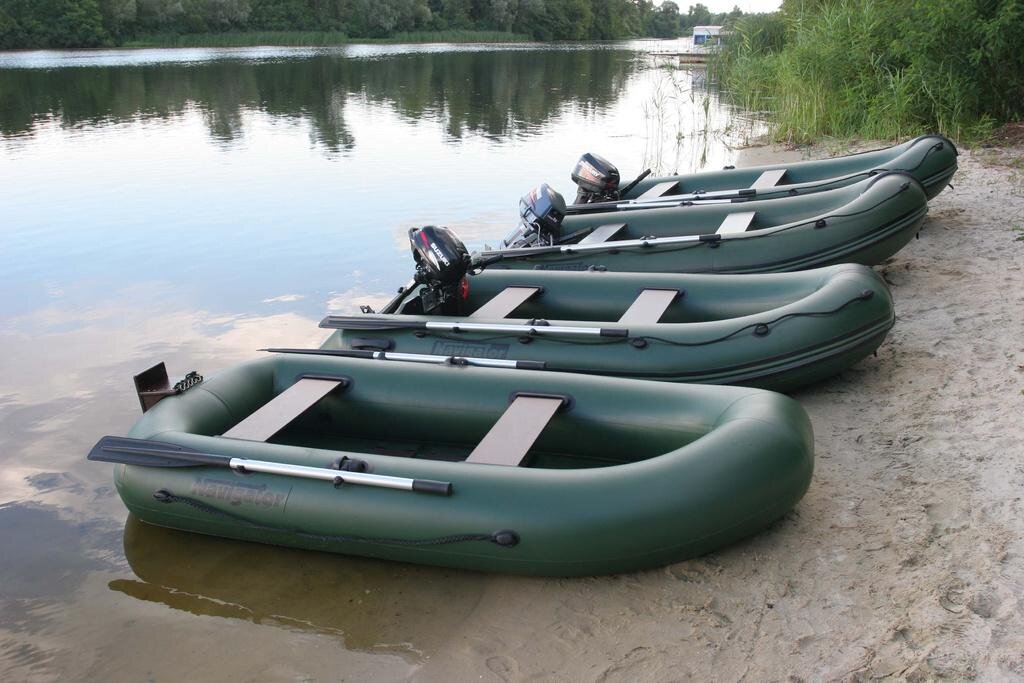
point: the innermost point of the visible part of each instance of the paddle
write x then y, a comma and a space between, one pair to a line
345, 322
459, 361
716, 196
145, 453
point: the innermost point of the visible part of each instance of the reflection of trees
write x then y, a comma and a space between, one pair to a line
485, 93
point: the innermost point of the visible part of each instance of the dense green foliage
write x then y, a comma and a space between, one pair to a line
314, 38
879, 68
89, 23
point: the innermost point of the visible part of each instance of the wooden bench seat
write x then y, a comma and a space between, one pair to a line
515, 432
658, 191
506, 301
648, 308
768, 179
277, 413
736, 222
603, 233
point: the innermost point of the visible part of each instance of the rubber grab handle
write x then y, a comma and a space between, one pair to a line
438, 488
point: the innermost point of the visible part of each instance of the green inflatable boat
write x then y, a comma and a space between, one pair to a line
865, 222
480, 468
930, 158
776, 331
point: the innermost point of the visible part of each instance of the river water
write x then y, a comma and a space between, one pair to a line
192, 206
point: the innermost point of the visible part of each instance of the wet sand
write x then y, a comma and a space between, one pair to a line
904, 561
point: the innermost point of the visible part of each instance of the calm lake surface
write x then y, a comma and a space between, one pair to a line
195, 205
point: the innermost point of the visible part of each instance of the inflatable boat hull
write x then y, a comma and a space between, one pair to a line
864, 223
932, 159
776, 331
633, 474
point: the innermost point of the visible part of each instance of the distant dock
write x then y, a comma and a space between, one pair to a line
690, 57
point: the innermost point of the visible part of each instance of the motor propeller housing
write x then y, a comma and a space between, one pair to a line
597, 179
442, 262
541, 210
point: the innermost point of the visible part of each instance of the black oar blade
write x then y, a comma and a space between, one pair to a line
145, 453
349, 322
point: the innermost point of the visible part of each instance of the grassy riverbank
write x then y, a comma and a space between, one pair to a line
316, 38
879, 69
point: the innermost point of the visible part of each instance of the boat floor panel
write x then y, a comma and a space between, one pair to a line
447, 452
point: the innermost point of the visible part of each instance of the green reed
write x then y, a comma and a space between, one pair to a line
879, 69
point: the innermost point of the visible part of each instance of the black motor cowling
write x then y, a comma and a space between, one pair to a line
442, 262
541, 210
597, 178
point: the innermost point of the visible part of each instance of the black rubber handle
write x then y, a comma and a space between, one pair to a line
613, 332
354, 322
343, 353
636, 181
372, 343
531, 364
438, 488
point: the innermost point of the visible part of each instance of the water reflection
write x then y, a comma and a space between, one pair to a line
368, 604
47, 555
499, 94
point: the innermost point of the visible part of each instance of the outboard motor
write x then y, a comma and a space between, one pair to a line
442, 262
541, 210
597, 178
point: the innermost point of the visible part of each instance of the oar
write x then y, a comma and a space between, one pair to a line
145, 453
420, 358
714, 196
345, 322
492, 256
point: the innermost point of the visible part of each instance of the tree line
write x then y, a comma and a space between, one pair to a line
95, 23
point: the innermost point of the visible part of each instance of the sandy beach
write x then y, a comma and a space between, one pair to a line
906, 559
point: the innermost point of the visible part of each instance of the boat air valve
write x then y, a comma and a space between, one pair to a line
506, 538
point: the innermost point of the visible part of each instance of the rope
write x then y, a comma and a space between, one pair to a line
187, 382
503, 538
761, 329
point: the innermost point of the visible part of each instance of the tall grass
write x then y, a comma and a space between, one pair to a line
315, 38
880, 69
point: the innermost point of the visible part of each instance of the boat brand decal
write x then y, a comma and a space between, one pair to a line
439, 254
475, 350
237, 493
563, 266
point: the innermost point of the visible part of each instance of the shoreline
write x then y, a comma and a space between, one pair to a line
258, 39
